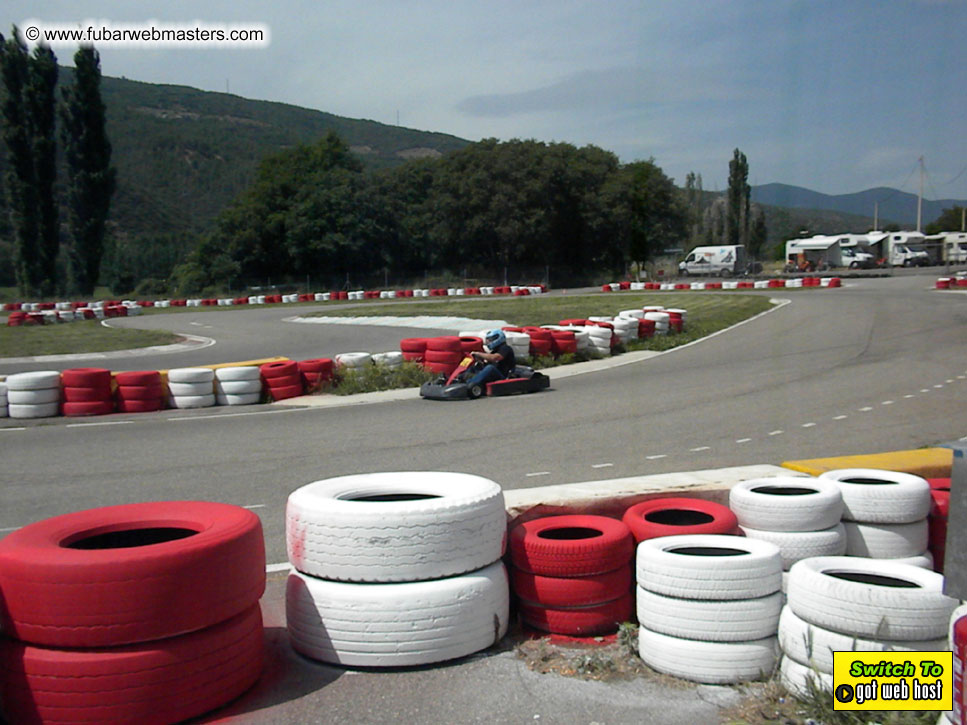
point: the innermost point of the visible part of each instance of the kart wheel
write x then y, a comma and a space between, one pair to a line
475, 391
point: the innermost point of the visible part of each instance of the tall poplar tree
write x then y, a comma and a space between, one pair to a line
739, 198
91, 179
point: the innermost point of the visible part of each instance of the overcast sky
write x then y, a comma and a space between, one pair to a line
833, 95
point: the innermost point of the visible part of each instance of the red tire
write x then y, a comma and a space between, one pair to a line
939, 504
141, 392
449, 343
138, 377
86, 378
140, 406
413, 345
471, 344
85, 395
548, 591
579, 621
93, 407
130, 573
286, 391
416, 357
320, 366
939, 484
571, 545
280, 369
542, 348
673, 516
447, 357
159, 682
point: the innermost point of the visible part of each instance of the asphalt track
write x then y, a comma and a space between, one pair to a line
880, 364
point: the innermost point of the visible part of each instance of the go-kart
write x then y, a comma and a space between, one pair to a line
456, 386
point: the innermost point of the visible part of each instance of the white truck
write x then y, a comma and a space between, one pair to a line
723, 261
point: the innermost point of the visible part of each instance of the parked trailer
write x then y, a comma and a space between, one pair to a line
813, 253
953, 246
900, 249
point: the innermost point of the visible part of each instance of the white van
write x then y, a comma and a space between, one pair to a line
723, 261
954, 247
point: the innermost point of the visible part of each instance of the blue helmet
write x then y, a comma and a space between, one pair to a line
494, 339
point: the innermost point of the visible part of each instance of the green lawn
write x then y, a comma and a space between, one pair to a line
75, 337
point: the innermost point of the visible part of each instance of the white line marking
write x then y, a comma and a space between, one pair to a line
949, 380
106, 422
286, 566
909, 396
13, 528
700, 449
808, 425
235, 415
255, 506
655, 458
6, 429
867, 409
840, 417
743, 440
538, 473
939, 385
924, 390
887, 402
961, 377
601, 465
776, 432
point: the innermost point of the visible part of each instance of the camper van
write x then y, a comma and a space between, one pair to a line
813, 254
954, 247
855, 251
722, 261
900, 249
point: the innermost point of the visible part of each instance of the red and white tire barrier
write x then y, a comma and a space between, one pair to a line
238, 385
282, 379
673, 516
34, 394
86, 391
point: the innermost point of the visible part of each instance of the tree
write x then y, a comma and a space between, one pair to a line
739, 196
951, 220
758, 235
91, 179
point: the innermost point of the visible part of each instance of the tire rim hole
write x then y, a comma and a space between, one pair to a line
869, 481
129, 538
382, 497
876, 579
679, 517
570, 533
784, 490
707, 551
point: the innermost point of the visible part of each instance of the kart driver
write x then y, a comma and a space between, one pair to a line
500, 361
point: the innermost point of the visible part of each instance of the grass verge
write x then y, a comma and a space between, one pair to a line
76, 337
368, 379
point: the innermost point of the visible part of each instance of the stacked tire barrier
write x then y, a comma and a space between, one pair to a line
238, 385
844, 603
281, 379
937, 520
674, 516
800, 515
708, 606
3, 399
884, 513
191, 387
395, 569
86, 391
442, 354
413, 349
34, 394
140, 391
120, 615
571, 574
390, 360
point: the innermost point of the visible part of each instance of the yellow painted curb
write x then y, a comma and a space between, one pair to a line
925, 462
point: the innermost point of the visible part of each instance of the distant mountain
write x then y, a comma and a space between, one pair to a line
893, 206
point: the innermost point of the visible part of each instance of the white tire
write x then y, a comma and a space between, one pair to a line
192, 401
238, 387
787, 503
188, 389
40, 410
882, 497
353, 359
709, 566
710, 620
886, 541
237, 398
709, 662
873, 598
924, 560
35, 380
191, 375
402, 624
237, 373
398, 526
37, 396
797, 678
813, 646
798, 545
388, 359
